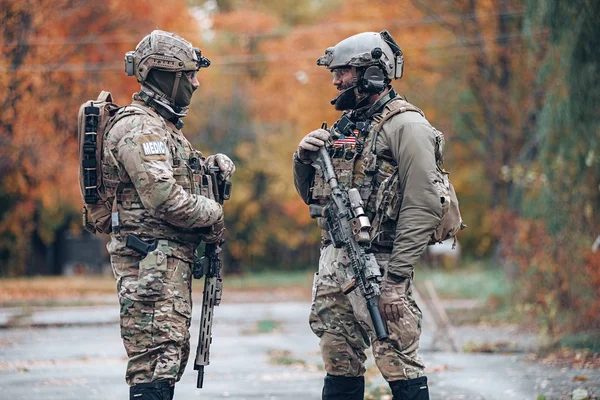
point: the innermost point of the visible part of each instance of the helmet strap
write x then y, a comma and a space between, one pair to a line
161, 108
176, 84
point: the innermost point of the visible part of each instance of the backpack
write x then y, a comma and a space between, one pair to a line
451, 221
94, 120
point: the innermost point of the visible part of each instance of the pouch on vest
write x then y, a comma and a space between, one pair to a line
451, 221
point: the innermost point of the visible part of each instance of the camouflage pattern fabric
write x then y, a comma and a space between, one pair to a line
157, 179
344, 327
150, 159
154, 323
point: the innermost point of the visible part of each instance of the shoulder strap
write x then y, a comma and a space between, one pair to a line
396, 107
392, 108
105, 96
123, 112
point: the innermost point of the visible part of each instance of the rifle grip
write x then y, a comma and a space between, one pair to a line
316, 211
135, 243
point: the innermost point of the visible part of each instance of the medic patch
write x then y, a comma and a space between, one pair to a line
153, 148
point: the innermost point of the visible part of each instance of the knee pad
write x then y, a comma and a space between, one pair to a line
158, 390
344, 387
410, 389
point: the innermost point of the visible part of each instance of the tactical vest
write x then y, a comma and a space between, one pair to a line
357, 165
188, 166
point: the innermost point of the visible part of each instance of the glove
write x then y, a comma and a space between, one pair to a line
214, 233
391, 301
224, 163
312, 142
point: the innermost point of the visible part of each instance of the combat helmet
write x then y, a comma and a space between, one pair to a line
161, 54
376, 56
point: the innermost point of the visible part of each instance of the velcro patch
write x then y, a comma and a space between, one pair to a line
152, 148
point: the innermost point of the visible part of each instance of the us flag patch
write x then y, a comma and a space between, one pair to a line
345, 142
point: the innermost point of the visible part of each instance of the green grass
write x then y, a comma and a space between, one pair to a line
589, 341
472, 282
266, 326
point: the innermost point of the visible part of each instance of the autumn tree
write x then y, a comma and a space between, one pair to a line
526, 114
55, 55
558, 221
265, 92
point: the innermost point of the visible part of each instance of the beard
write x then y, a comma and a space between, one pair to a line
346, 100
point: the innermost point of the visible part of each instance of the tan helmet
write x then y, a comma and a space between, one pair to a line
164, 51
364, 50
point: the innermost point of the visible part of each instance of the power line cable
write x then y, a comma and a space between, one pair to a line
243, 59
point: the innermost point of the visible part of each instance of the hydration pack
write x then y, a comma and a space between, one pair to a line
388, 208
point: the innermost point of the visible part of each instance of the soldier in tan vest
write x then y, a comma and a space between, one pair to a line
383, 146
158, 185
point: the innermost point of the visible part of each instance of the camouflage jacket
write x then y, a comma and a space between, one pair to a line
405, 145
157, 178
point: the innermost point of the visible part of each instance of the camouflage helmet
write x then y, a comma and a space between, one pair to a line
164, 51
364, 50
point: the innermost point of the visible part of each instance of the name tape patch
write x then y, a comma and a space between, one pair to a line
154, 148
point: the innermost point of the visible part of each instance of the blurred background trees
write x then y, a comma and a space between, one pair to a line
512, 84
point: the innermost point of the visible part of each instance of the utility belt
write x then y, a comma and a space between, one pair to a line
143, 247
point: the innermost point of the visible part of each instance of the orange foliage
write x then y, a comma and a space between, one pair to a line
286, 95
558, 278
245, 21
592, 270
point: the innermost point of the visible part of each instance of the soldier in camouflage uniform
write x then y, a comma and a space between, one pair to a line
160, 192
392, 156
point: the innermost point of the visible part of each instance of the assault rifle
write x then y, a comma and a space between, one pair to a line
348, 227
209, 266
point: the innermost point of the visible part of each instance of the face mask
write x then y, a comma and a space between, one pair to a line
162, 80
183, 97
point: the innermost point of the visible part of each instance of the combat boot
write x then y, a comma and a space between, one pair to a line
411, 389
158, 390
344, 388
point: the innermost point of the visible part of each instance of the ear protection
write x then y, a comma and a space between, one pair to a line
373, 79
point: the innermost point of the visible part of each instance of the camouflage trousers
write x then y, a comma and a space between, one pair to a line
343, 324
155, 315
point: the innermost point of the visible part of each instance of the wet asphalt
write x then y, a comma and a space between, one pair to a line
259, 351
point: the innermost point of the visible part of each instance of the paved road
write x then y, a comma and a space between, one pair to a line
54, 361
